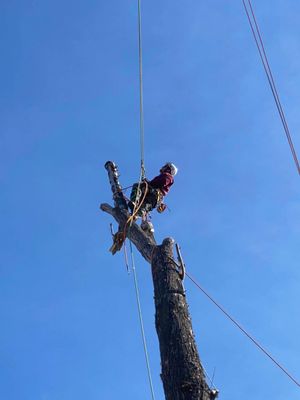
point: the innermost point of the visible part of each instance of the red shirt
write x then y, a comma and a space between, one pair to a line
163, 182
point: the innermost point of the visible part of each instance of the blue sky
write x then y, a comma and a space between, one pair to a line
69, 102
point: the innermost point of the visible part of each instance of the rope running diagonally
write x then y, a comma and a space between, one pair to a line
243, 330
263, 55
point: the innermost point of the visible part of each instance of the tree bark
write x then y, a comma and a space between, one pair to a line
182, 373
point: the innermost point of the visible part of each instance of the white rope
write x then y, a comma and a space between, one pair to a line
142, 176
141, 321
142, 130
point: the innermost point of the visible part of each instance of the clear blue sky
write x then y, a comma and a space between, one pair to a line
68, 103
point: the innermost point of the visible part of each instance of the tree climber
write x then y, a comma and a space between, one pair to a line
145, 196
153, 191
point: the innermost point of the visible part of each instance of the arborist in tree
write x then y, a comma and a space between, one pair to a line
145, 196
151, 193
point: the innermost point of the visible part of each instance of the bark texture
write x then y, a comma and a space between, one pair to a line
182, 374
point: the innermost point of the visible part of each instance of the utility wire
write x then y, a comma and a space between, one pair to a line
264, 58
243, 330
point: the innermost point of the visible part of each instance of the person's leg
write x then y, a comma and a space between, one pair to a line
133, 195
151, 199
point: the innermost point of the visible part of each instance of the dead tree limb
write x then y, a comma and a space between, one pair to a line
144, 243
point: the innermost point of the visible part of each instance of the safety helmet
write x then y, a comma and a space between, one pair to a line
170, 167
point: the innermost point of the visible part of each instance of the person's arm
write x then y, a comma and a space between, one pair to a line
159, 181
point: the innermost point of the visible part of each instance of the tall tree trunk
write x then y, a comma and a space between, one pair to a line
182, 373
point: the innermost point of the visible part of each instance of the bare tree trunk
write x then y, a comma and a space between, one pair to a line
182, 373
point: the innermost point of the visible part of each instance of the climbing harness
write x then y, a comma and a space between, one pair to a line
263, 55
153, 199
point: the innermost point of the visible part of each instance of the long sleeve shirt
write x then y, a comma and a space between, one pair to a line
163, 182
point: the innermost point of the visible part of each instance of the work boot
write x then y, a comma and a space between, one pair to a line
147, 226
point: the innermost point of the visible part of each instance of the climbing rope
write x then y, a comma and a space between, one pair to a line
139, 202
141, 99
142, 131
141, 320
141, 107
263, 55
137, 207
211, 380
243, 330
